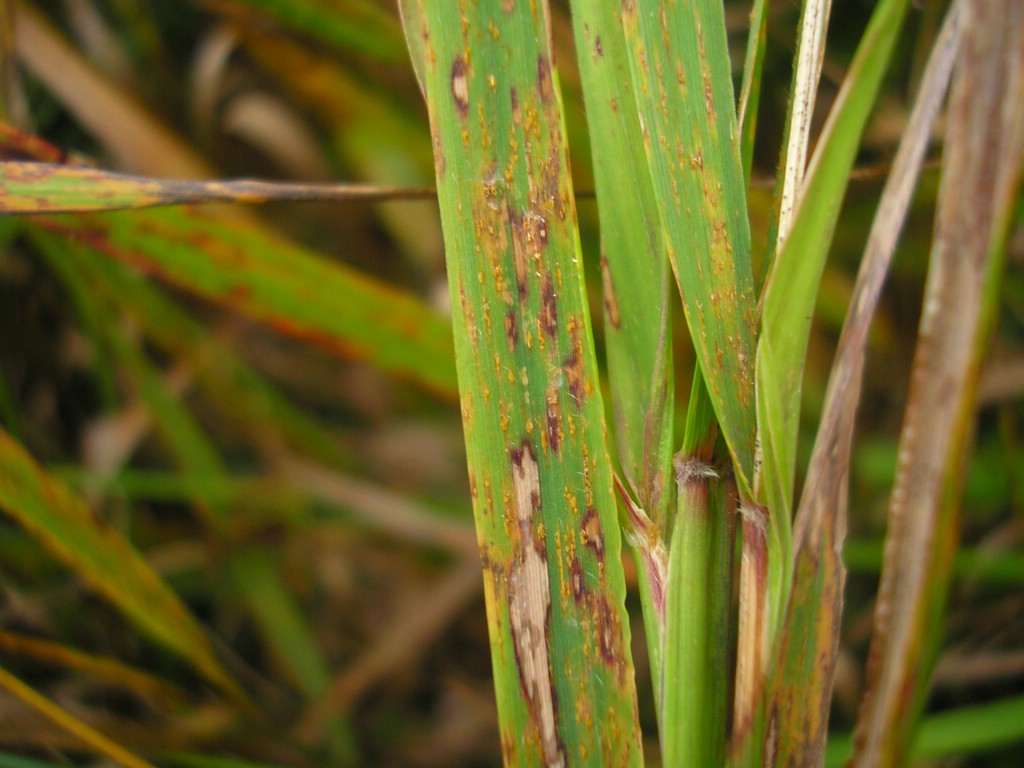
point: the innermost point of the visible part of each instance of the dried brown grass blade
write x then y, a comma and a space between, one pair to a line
801, 701
982, 172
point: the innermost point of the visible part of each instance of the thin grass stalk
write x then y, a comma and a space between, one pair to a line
984, 159
539, 470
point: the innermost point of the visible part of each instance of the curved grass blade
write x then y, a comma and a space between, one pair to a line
103, 558
679, 60
28, 188
809, 641
540, 475
982, 171
243, 267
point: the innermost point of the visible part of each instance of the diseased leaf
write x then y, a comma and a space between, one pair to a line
44, 188
539, 470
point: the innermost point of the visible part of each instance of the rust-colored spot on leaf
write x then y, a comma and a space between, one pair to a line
459, 85
575, 374
608, 633
554, 419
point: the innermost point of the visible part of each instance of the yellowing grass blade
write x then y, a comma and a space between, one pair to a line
104, 559
539, 469
89, 735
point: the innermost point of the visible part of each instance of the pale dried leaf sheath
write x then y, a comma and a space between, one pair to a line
538, 464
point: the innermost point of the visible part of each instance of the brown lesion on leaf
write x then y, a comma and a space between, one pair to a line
517, 110
609, 634
549, 308
544, 82
611, 303
598, 47
592, 535
554, 419
573, 367
460, 85
512, 329
529, 602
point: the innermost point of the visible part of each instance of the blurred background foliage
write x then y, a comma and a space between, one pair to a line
262, 400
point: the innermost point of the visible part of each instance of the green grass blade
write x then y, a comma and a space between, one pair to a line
965, 731
540, 475
750, 90
241, 266
680, 63
636, 287
635, 270
104, 559
64, 719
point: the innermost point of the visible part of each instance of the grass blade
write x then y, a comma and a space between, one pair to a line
984, 158
532, 414
635, 280
679, 60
